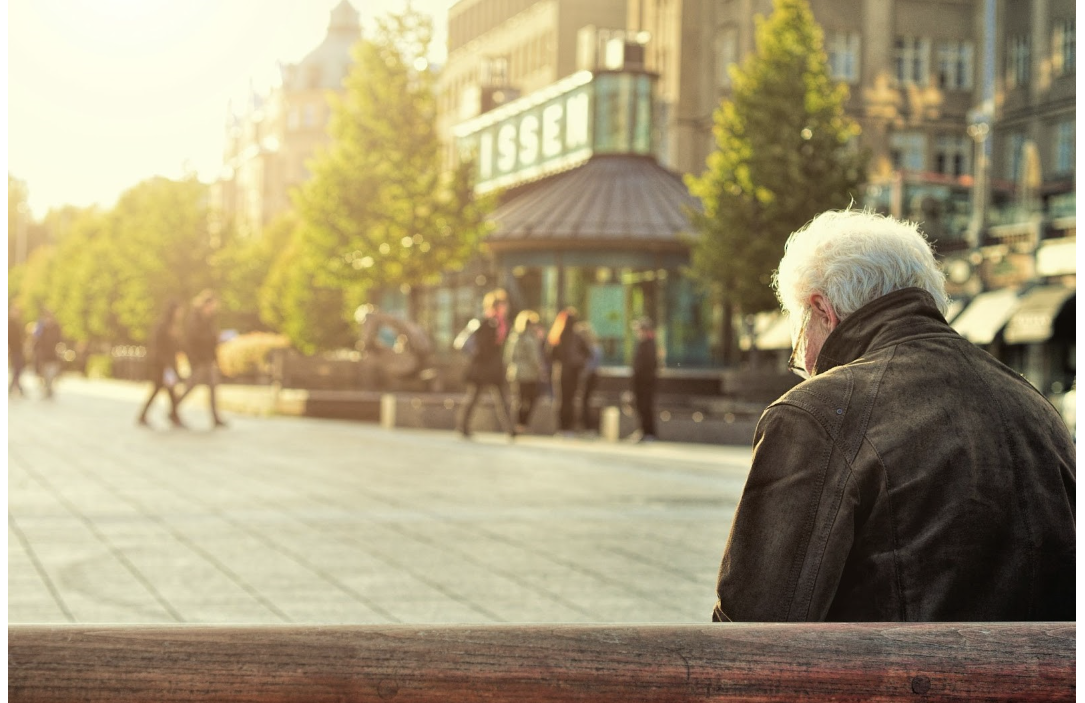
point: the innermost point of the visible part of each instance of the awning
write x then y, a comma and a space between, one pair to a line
1033, 321
628, 201
770, 332
986, 315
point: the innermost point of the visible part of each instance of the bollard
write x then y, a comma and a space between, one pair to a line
388, 411
610, 424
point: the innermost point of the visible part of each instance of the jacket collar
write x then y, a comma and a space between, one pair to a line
887, 320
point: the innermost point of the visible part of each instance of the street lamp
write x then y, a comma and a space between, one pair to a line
979, 129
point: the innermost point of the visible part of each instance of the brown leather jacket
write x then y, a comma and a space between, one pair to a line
912, 478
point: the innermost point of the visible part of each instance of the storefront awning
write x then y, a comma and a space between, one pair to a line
611, 200
1033, 321
986, 315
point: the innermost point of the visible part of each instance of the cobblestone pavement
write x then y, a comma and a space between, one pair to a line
292, 520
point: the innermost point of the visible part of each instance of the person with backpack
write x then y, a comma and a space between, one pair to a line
483, 343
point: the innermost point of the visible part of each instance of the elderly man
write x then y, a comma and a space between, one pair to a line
912, 477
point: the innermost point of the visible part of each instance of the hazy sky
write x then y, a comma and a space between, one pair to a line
103, 94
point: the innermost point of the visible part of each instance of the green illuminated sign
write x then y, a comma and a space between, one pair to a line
560, 126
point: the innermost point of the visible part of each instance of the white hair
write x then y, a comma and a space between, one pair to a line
852, 258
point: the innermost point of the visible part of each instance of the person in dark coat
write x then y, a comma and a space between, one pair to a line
200, 345
485, 365
162, 349
47, 338
911, 476
590, 375
645, 363
569, 354
16, 349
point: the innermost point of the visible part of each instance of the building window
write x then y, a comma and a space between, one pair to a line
1015, 151
912, 58
1065, 137
1018, 61
1063, 48
955, 65
726, 55
843, 50
292, 119
309, 116
952, 155
908, 151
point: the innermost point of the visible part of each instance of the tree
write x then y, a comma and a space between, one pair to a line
784, 153
35, 281
86, 282
312, 315
379, 210
18, 219
241, 266
159, 230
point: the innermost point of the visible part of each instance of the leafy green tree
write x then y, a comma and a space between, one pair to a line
85, 290
36, 281
785, 152
379, 210
159, 231
312, 315
18, 216
241, 266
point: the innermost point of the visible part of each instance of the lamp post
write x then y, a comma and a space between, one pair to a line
979, 129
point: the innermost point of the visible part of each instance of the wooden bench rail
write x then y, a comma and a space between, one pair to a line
543, 663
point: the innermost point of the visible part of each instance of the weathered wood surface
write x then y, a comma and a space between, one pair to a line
543, 663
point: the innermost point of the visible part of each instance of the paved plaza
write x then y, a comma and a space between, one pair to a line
280, 520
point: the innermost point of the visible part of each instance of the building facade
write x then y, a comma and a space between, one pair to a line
912, 68
269, 140
1017, 278
499, 50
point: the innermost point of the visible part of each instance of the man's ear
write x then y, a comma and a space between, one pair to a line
821, 307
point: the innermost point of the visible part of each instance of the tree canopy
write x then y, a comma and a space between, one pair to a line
380, 210
785, 151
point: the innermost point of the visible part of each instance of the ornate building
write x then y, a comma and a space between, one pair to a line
268, 143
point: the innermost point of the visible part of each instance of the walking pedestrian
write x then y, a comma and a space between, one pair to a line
200, 345
568, 354
163, 345
16, 349
645, 363
523, 355
46, 340
482, 341
590, 376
